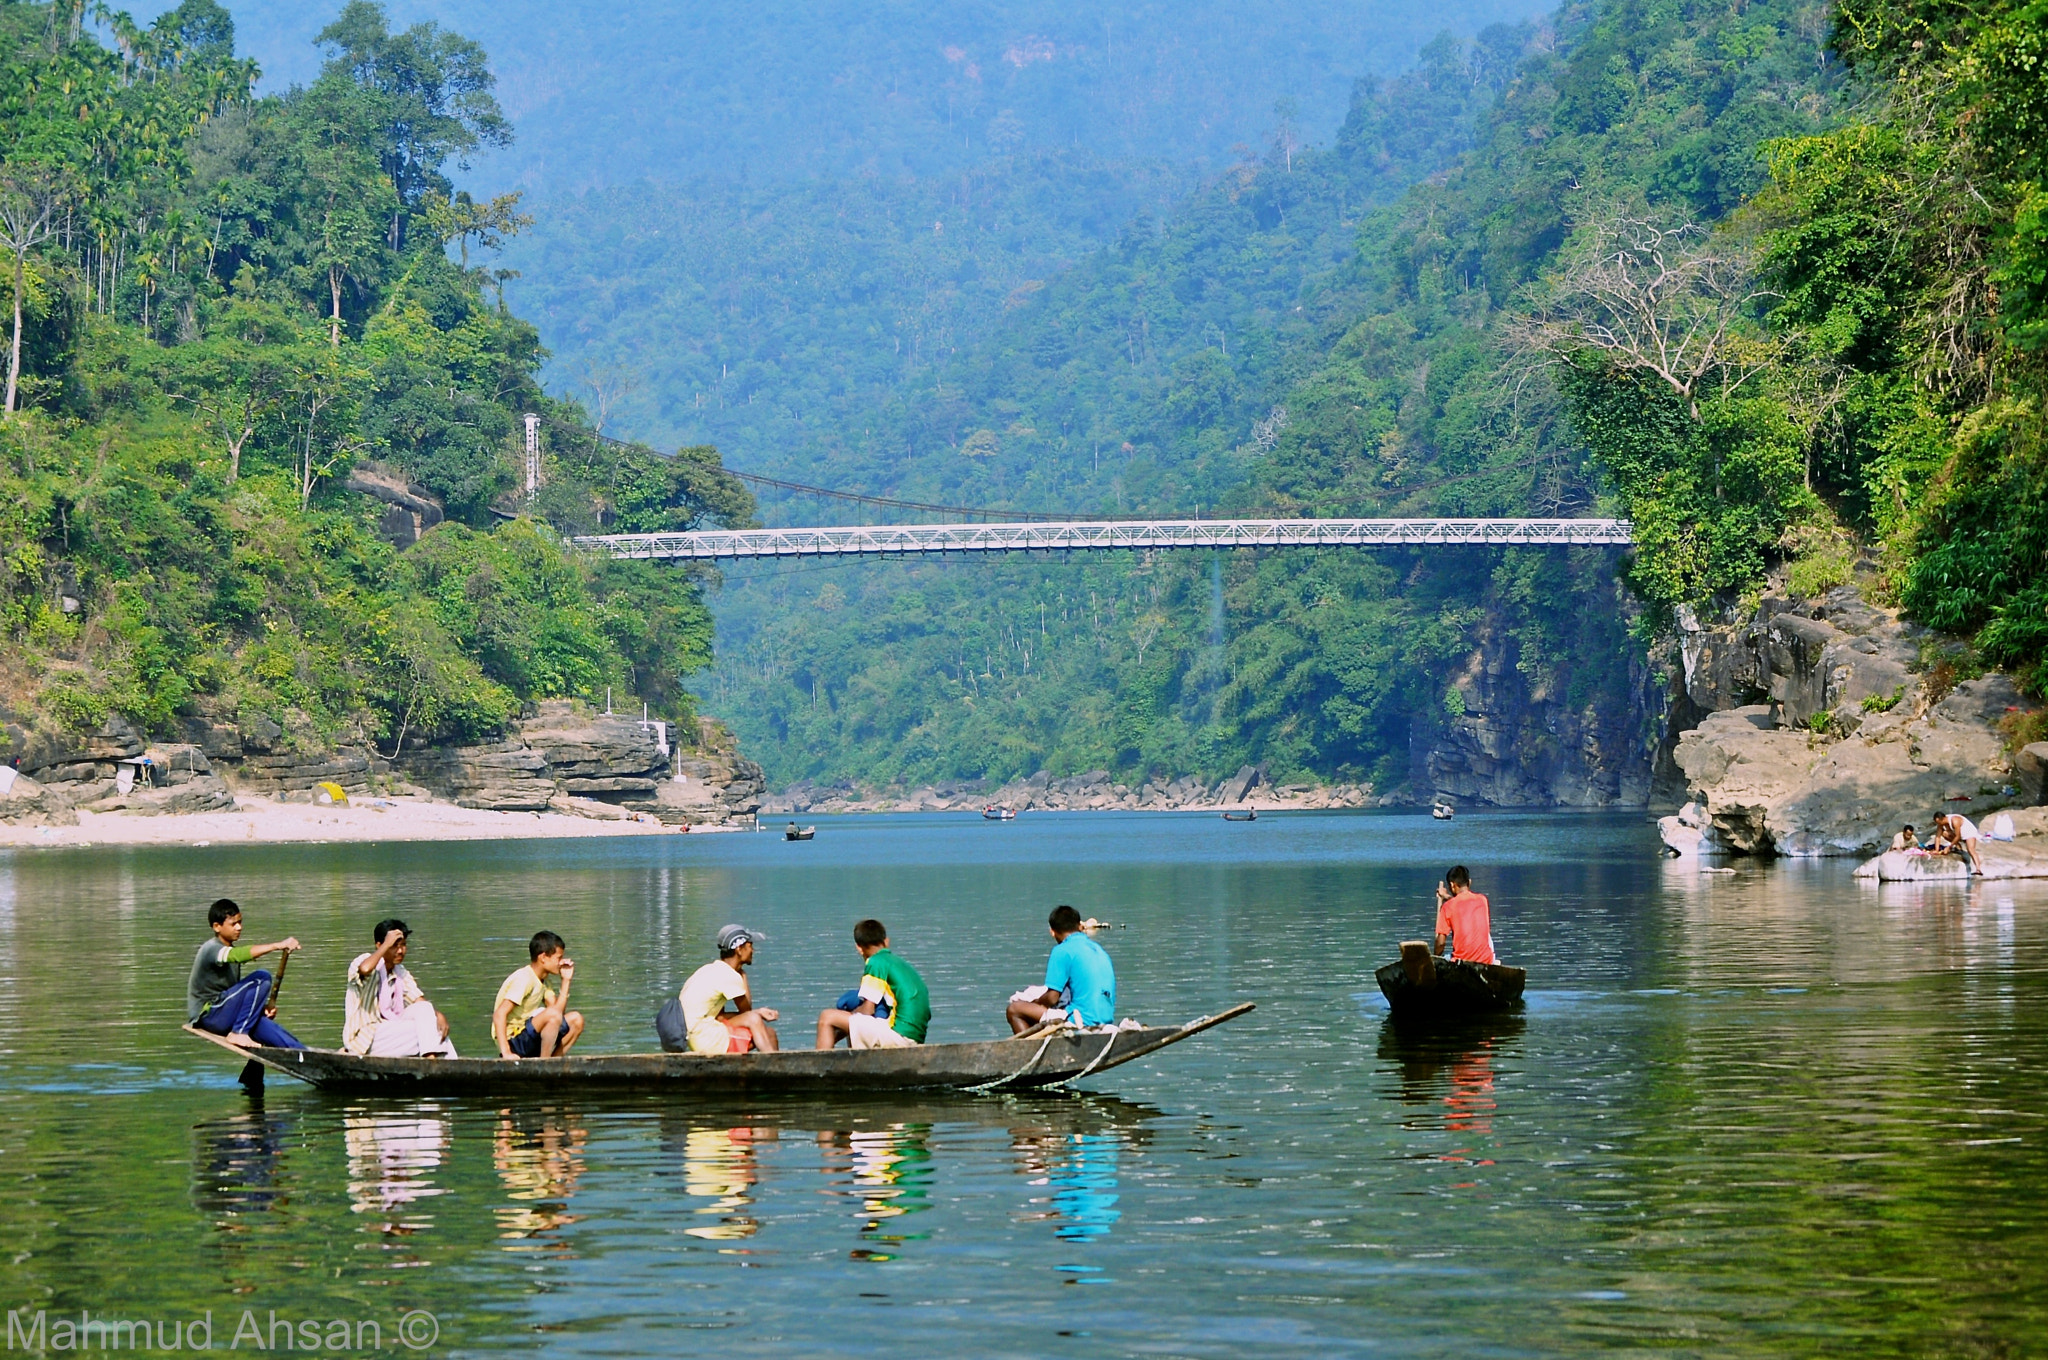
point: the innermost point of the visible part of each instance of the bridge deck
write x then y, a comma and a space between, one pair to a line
889, 540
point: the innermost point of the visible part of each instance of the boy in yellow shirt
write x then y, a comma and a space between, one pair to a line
530, 1019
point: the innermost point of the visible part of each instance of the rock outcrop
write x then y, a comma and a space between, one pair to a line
1096, 790
1847, 742
572, 760
2024, 856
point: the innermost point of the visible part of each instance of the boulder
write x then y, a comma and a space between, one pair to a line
1236, 788
2002, 860
24, 802
2030, 766
115, 740
1739, 768
197, 793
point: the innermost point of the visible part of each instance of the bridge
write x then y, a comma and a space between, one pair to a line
1142, 535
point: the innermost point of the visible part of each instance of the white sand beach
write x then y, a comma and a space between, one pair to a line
258, 821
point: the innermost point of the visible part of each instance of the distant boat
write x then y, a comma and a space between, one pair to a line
1442, 811
999, 814
1249, 816
1422, 985
799, 833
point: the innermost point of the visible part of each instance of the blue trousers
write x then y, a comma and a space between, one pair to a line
240, 1011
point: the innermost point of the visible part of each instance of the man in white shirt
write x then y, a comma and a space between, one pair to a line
711, 1027
1955, 830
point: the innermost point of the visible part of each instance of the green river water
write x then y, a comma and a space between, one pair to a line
1774, 1112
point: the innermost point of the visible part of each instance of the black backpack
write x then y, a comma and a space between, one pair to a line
668, 1023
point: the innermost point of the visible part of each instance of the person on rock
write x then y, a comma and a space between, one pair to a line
531, 1019
888, 984
384, 1012
219, 1000
711, 1027
1907, 839
1954, 832
1465, 917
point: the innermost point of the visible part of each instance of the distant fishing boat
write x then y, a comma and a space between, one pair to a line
1422, 985
1251, 815
799, 833
1032, 1059
994, 813
1442, 811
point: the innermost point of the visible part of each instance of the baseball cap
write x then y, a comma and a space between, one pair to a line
732, 937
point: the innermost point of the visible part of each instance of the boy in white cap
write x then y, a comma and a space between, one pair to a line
712, 1028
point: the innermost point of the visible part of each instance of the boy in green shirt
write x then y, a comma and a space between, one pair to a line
219, 1000
888, 980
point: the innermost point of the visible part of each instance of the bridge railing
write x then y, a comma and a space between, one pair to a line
890, 540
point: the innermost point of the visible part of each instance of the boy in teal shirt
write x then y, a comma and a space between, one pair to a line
1080, 981
885, 981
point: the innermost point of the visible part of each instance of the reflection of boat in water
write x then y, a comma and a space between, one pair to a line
799, 833
1421, 985
539, 1159
999, 814
1020, 1062
389, 1158
234, 1163
1442, 810
1451, 1064
1249, 815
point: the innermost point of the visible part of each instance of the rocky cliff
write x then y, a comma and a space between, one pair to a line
564, 758
1814, 727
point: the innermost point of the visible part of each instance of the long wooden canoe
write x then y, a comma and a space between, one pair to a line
1035, 1060
1421, 985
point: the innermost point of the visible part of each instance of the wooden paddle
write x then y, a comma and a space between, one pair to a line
252, 1071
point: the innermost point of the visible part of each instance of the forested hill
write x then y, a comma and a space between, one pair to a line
1770, 281
230, 317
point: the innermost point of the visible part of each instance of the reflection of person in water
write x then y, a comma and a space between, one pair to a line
389, 1157
719, 1165
234, 1164
890, 1174
539, 1156
1081, 1169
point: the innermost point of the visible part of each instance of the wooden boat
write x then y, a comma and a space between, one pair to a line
1423, 985
799, 833
1442, 811
1028, 1061
999, 814
1249, 816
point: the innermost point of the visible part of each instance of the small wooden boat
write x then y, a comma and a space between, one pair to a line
999, 814
1442, 811
1031, 1060
1251, 815
1423, 985
799, 833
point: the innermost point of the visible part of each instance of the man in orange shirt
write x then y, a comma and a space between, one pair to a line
1464, 916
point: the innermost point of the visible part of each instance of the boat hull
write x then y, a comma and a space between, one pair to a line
1437, 988
1018, 1064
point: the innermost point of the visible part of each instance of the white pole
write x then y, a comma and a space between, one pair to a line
532, 455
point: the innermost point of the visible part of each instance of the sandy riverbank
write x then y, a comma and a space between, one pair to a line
263, 821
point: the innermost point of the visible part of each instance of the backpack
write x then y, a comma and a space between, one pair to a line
668, 1024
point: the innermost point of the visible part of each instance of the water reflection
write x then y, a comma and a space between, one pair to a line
389, 1158
235, 1164
1450, 1071
721, 1167
889, 1174
539, 1157
1075, 1149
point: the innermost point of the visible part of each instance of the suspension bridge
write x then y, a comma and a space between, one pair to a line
1141, 535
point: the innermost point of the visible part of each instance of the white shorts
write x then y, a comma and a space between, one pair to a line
865, 1031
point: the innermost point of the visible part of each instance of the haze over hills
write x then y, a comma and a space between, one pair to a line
781, 89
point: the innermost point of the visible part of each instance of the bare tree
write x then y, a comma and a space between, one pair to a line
609, 385
28, 217
1666, 301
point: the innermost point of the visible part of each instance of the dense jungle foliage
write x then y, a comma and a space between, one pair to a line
1767, 279
1295, 341
220, 306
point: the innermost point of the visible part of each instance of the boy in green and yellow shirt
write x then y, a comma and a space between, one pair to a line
885, 980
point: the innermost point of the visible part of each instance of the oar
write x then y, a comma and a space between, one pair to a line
252, 1071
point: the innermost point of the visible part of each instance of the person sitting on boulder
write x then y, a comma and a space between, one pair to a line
1906, 839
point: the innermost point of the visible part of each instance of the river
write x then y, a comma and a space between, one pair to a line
1773, 1112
